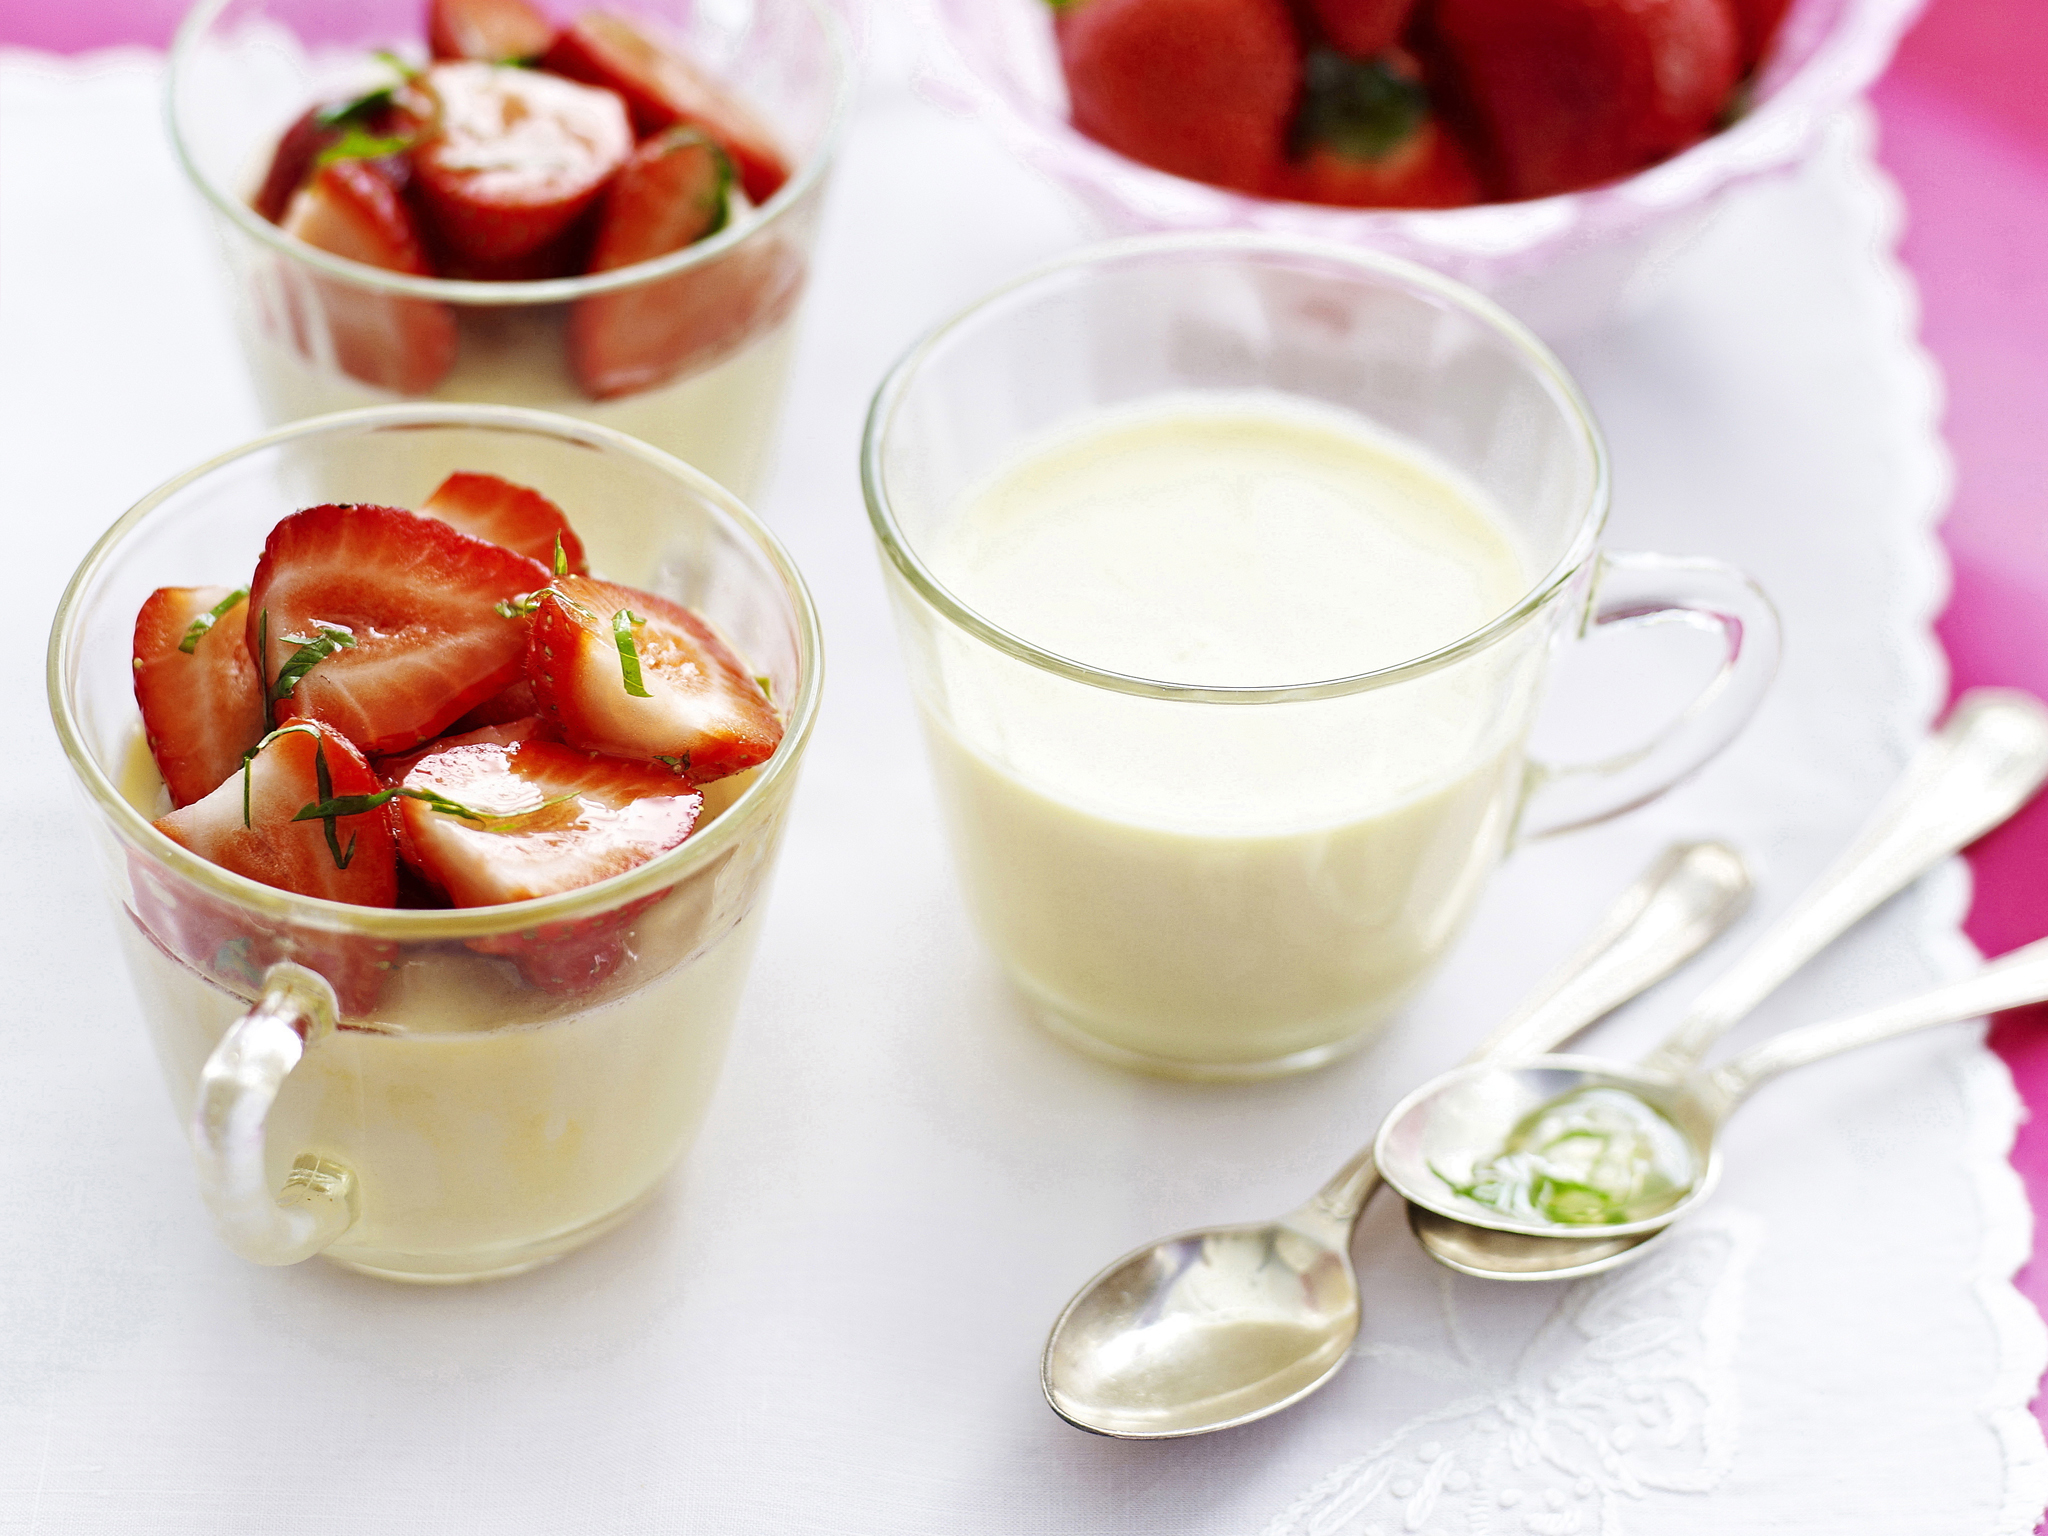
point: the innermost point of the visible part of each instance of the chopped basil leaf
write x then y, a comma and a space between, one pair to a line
629, 654
199, 626
312, 649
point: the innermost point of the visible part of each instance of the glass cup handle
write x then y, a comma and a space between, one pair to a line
1638, 589
237, 1087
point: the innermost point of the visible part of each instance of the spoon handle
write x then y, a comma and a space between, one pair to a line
2012, 981
1688, 896
1982, 766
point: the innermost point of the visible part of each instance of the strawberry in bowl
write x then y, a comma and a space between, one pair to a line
312, 728
1552, 153
492, 208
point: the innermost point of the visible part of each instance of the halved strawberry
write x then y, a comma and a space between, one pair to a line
353, 209
249, 823
385, 624
697, 706
499, 512
496, 31
519, 156
201, 703
663, 87
558, 819
675, 191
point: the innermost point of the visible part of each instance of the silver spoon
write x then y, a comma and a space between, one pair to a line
1982, 766
1471, 1111
1216, 1328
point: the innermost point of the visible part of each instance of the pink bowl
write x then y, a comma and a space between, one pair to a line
1561, 263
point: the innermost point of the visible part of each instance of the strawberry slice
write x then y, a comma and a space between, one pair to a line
496, 31
696, 705
663, 88
516, 703
249, 823
557, 819
571, 819
675, 191
385, 624
380, 126
391, 771
202, 706
233, 946
519, 157
353, 208
499, 512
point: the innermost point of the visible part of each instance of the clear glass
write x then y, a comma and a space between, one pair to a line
1560, 262
456, 1121
1232, 881
242, 70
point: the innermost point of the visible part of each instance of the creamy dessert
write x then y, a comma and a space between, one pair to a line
1193, 884
525, 151
410, 710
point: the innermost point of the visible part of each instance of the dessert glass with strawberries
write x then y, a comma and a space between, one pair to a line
1555, 154
606, 210
438, 757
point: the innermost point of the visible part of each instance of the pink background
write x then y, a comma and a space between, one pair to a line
1965, 132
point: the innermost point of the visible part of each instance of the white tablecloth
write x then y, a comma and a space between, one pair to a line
830, 1320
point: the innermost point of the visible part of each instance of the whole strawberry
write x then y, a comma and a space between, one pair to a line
1367, 138
1199, 88
1758, 22
1361, 28
1570, 93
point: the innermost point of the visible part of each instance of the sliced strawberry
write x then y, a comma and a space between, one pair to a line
381, 126
499, 512
663, 87
353, 208
560, 819
675, 191
248, 824
391, 771
702, 711
496, 31
406, 609
515, 704
519, 157
202, 706
233, 946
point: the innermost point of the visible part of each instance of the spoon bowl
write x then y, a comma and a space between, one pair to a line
1205, 1330
1436, 1141
1489, 1255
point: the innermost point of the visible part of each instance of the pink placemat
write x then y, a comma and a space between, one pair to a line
1965, 133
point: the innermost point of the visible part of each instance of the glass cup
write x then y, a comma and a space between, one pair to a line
385, 1086
323, 333
1233, 881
